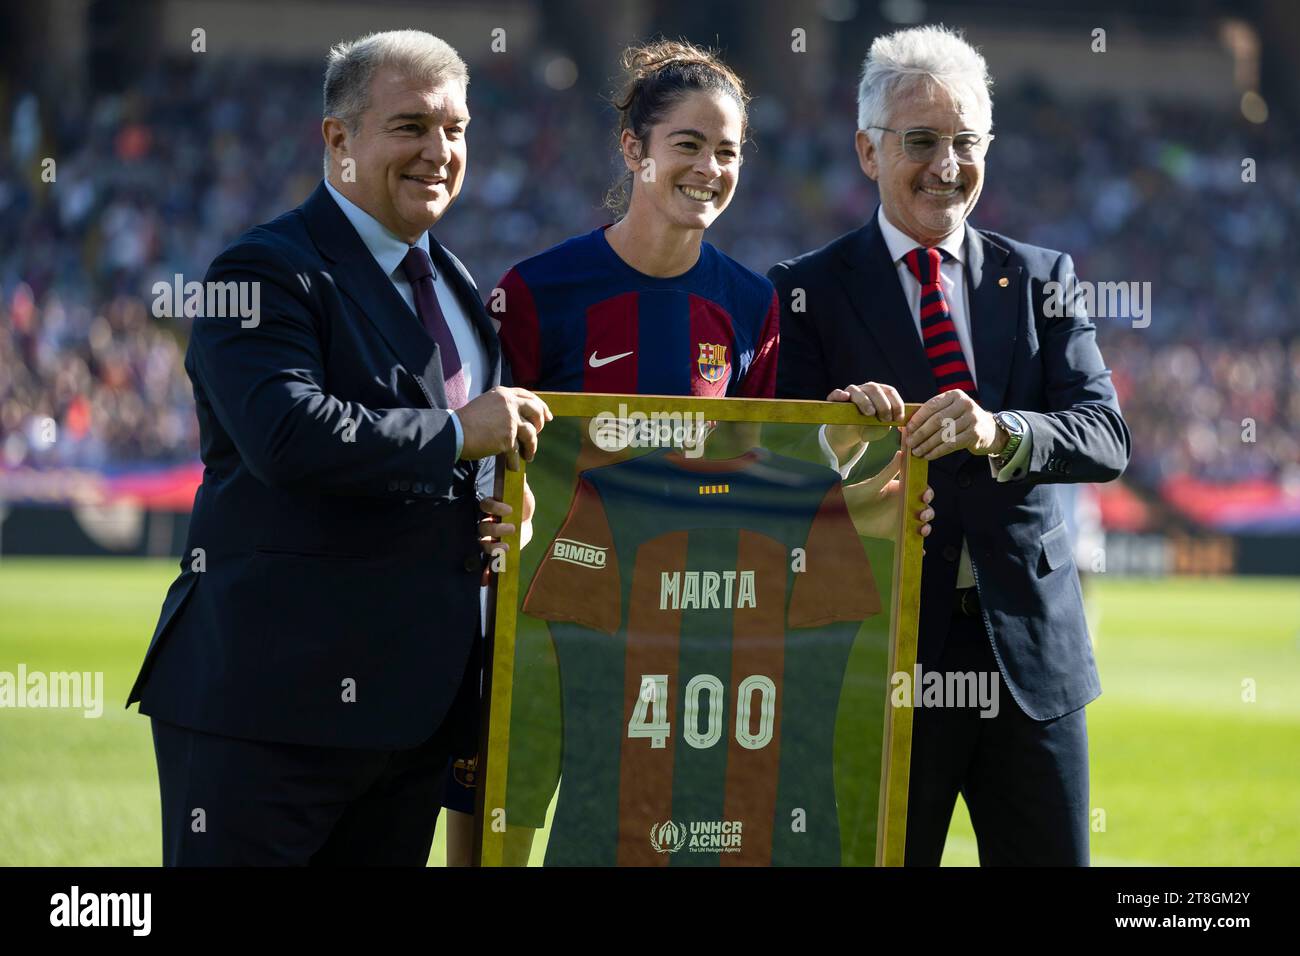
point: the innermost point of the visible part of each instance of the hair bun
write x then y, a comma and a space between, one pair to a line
649, 58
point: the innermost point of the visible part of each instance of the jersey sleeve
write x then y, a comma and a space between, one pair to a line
760, 378
578, 580
511, 304
837, 583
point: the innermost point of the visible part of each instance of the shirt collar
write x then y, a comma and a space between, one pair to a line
388, 249
900, 244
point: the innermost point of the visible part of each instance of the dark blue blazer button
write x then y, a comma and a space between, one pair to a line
405, 486
392, 486
951, 552
963, 480
473, 563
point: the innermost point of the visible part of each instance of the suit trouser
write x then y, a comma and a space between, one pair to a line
227, 801
1024, 781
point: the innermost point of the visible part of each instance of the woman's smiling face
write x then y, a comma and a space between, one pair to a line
687, 169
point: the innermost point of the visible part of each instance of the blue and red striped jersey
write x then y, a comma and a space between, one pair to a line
577, 318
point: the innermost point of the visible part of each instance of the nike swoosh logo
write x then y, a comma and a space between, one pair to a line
595, 362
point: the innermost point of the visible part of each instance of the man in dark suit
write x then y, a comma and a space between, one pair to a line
923, 307
316, 663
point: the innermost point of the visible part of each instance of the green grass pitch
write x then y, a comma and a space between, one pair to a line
1184, 771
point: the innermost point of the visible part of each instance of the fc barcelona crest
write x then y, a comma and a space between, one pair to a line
712, 362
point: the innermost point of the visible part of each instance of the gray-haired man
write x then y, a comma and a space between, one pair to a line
1016, 397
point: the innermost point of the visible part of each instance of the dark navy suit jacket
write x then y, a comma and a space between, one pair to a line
332, 551
855, 326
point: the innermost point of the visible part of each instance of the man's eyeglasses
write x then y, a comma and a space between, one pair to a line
920, 145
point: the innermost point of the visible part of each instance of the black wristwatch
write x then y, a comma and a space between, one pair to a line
1014, 426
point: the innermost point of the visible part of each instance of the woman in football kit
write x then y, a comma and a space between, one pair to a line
645, 305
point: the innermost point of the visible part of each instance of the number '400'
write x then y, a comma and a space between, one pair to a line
650, 712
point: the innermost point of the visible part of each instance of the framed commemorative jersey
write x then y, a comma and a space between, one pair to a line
690, 660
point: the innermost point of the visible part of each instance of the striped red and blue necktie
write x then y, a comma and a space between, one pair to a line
938, 333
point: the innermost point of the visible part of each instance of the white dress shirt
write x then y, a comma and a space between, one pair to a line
389, 251
952, 276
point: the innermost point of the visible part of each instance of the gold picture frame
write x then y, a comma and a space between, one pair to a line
493, 765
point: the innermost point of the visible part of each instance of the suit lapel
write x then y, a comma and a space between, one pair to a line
994, 296
871, 281
356, 273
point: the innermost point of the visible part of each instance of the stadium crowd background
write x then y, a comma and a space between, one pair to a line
154, 181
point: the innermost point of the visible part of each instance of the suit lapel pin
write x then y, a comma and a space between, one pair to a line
1004, 282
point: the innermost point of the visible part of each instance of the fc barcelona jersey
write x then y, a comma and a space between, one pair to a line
703, 613
577, 318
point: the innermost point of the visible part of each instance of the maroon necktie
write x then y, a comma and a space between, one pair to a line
938, 333
419, 272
